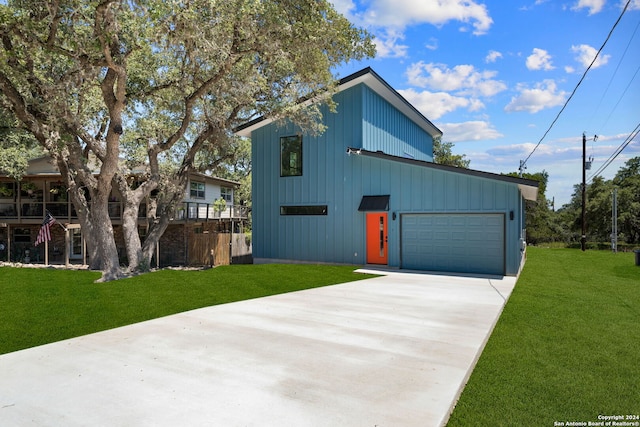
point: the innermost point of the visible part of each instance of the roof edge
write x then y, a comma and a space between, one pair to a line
528, 187
371, 79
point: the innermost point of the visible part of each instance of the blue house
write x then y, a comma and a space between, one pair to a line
366, 192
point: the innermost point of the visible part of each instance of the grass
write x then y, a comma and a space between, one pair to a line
566, 348
40, 306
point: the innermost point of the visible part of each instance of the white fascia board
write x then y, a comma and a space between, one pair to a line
379, 86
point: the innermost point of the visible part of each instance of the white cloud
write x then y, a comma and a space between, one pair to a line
539, 60
344, 6
594, 6
433, 43
494, 55
463, 79
388, 46
401, 13
531, 7
584, 54
468, 131
436, 104
516, 150
542, 95
561, 158
634, 5
387, 19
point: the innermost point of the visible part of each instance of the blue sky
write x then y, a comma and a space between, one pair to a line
493, 75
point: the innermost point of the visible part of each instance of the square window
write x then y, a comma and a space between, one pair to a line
21, 235
291, 156
197, 190
227, 194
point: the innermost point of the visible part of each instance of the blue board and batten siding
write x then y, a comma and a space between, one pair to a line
388, 130
339, 180
323, 182
417, 189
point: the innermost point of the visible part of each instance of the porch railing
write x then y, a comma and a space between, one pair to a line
188, 211
64, 210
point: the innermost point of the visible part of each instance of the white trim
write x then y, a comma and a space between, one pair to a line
381, 88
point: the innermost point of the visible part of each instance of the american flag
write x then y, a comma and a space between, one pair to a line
45, 234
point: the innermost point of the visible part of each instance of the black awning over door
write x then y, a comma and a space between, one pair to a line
374, 203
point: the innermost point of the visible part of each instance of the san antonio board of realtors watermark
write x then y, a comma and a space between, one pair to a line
605, 421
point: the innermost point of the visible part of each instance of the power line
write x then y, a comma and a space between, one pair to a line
621, 96
617, 152
523, 163
615, 72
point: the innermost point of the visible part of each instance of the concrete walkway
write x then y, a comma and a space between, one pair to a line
391, 351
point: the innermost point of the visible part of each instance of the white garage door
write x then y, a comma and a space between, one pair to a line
462, 243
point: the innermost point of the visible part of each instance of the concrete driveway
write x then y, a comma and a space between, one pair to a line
390, 351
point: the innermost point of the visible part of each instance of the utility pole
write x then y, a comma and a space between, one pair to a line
583, 239
614, 221
522, 167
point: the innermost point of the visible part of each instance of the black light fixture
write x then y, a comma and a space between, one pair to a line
511, 215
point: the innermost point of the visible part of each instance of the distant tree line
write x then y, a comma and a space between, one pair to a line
545, 225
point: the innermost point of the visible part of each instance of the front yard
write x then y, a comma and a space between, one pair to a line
40, 306
566, 348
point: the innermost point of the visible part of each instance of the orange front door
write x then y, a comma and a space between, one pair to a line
377, 238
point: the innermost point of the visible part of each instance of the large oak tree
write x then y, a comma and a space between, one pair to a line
107, 85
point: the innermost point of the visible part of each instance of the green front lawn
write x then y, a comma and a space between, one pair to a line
566, 348
40, 306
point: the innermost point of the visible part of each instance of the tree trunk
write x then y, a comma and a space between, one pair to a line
130, 215
104, 240
132, 242
160, 217
153, 237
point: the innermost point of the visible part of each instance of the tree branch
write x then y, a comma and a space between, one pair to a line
55, 20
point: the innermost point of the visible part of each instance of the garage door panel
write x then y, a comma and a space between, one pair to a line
493, 239
478, 222
425, 234
425, 221
458, 235
466, 243
476, 236
441, 236
459, 221
495, 221
440, 220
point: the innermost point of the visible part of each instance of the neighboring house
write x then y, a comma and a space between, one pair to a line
366, 192
189, 238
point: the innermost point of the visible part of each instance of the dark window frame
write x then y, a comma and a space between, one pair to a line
21, 235
291, 155
195, 193
227, 194
317, 210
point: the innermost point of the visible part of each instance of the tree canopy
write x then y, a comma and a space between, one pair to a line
113, 84
443, 154
17, 146
565, 225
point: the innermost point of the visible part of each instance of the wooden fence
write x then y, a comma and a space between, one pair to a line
213, 248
